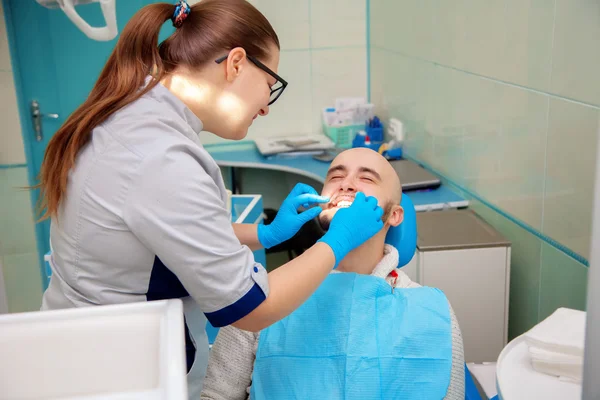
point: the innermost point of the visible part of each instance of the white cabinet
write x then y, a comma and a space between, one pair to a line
465, 257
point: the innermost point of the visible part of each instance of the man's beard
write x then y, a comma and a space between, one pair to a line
325, 220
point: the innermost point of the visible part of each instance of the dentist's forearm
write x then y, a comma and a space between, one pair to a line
247, 234
289, 286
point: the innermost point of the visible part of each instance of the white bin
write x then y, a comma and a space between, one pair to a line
130, 351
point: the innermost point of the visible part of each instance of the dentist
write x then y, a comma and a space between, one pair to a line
137, 205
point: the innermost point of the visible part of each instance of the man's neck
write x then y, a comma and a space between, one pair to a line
364, 258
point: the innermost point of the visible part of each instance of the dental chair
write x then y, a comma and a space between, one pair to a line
404, 238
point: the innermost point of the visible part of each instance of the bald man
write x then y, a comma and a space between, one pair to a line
231, 363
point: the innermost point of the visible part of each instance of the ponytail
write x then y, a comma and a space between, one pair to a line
212, 26
134, 56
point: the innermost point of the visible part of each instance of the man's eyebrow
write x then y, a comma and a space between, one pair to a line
337, 168
343, 168
370, 171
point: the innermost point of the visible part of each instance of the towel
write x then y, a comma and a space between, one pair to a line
562, 332
556, 344
565, 366
552, 356
568, 372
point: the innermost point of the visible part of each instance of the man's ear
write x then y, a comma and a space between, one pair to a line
236, 61
396, 216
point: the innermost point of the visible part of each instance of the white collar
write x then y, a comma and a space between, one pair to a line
388, 262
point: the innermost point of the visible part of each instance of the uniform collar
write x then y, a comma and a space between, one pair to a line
165, 96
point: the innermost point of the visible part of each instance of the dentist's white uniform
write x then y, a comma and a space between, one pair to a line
145, 219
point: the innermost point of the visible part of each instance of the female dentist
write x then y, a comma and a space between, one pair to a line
137, 205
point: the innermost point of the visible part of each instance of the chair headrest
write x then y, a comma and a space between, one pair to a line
404, 236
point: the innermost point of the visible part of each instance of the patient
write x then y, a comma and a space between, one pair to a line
233, 355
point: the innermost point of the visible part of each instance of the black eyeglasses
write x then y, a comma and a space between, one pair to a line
279, 85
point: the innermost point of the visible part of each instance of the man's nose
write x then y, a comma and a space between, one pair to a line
348, 185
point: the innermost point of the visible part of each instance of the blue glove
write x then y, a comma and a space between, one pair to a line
288, 220
350, 227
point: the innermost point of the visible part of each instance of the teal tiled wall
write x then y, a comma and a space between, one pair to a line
18, 253
502, 97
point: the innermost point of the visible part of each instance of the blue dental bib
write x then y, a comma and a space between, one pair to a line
355, 338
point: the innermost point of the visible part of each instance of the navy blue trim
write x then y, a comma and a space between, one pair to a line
164, 285
239, 309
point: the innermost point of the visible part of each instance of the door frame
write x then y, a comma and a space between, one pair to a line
26, 134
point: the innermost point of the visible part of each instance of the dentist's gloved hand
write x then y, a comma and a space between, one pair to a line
288, 220
350, 227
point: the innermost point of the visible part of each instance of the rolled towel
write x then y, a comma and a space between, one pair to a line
571, 372
546, 356
562, 332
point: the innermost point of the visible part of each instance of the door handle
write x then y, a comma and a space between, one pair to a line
36, 118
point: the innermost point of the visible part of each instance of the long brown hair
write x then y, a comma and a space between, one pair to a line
212, 27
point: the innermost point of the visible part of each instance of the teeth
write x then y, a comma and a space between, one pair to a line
344, 204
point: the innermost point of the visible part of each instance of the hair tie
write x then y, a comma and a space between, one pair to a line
182, 10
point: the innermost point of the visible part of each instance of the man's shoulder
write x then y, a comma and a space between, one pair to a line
230, 335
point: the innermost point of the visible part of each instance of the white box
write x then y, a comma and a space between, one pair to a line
130, 351
470, 262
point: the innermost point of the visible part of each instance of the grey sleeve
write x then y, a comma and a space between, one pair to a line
456, 390
230, 366
175, 208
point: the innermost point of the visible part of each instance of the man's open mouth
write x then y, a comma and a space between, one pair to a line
343, 201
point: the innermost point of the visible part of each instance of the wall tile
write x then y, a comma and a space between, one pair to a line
379, 11
486, 213
336, 73
576, 53
407, 89
11, 142
571, 161
17, 227
3, 298
23, 281
483, 132
449, 31
525, 55
524, 276
563, 282
404, 26
407, 96
292, 112
378, 91
509, 40
290, 19
5, 64
336, 23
